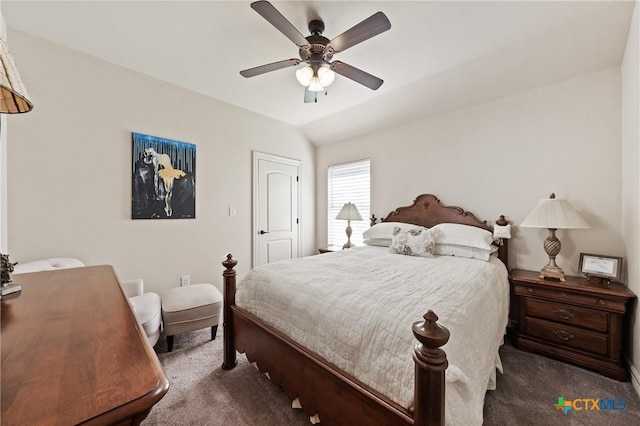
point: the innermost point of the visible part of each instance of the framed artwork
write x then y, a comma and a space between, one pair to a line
601, 268
164, 178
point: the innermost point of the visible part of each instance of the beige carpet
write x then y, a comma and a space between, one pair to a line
201, 393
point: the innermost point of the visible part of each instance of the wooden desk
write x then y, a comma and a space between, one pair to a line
73, 352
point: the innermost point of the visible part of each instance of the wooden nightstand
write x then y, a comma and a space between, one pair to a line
329, 249
577, 321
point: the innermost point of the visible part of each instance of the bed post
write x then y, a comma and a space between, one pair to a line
229, 280
431, 363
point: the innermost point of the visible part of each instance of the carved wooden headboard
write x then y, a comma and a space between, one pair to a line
428, 211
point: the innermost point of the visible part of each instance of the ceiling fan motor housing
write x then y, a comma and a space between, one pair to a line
318, 49
316, 27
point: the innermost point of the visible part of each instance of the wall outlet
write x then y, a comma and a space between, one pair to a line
184, 280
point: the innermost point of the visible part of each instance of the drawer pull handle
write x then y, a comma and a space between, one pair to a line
563, 294
563, 313
563, 335
530, 290
602, 301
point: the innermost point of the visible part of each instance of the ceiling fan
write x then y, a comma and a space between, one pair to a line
317, 51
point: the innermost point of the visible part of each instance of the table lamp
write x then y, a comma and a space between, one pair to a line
13, 95
553, 214
349, 212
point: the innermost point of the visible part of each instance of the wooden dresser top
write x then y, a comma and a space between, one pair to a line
73, 352
616, 290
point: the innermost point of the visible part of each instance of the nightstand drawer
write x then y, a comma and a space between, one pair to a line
567, 335
568, 314
571, 297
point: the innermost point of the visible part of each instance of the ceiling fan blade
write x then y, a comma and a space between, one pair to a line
370, 27
357, 75
309, 96
252, 72
275, 18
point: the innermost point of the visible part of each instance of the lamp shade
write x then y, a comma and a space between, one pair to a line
315, 85
553, 213
326, 76
13, 95
304, 76
349, 212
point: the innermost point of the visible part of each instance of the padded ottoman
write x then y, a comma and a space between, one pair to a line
190, 308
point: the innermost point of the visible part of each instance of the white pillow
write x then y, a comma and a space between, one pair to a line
385, 230
464, 235
378, 242
464, 251
414, 242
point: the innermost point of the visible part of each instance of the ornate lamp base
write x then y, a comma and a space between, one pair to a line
552, 247
551, 273
348, 244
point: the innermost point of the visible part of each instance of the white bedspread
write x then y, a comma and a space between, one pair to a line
355, 309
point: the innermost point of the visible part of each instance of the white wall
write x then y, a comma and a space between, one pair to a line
631, 175
3, 159
501, 158
69, 171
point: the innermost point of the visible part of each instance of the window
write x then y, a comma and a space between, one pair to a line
349, 182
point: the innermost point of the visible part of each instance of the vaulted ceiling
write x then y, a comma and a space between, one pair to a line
437, 56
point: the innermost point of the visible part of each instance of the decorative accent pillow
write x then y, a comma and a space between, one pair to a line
464, 235
384, 230
414, 242
464, 251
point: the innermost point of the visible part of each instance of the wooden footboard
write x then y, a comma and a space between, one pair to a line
324, 389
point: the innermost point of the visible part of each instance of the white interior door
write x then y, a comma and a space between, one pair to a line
276, 208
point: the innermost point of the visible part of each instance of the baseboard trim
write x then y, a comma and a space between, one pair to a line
635, 376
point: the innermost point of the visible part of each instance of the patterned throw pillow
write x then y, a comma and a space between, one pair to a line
414, 242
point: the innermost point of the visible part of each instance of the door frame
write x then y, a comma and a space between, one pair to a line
257, 156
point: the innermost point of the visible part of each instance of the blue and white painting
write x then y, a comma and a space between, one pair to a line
164, 178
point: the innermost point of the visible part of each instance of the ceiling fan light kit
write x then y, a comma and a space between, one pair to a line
317, 51
316, 81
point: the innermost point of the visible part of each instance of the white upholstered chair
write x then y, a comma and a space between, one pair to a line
47, 265
146, 306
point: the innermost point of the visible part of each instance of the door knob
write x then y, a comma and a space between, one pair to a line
262, 232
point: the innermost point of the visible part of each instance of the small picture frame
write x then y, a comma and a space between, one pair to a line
601, 269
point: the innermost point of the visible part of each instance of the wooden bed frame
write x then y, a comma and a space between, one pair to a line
325, 390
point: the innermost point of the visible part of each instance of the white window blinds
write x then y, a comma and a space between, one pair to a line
348, 183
